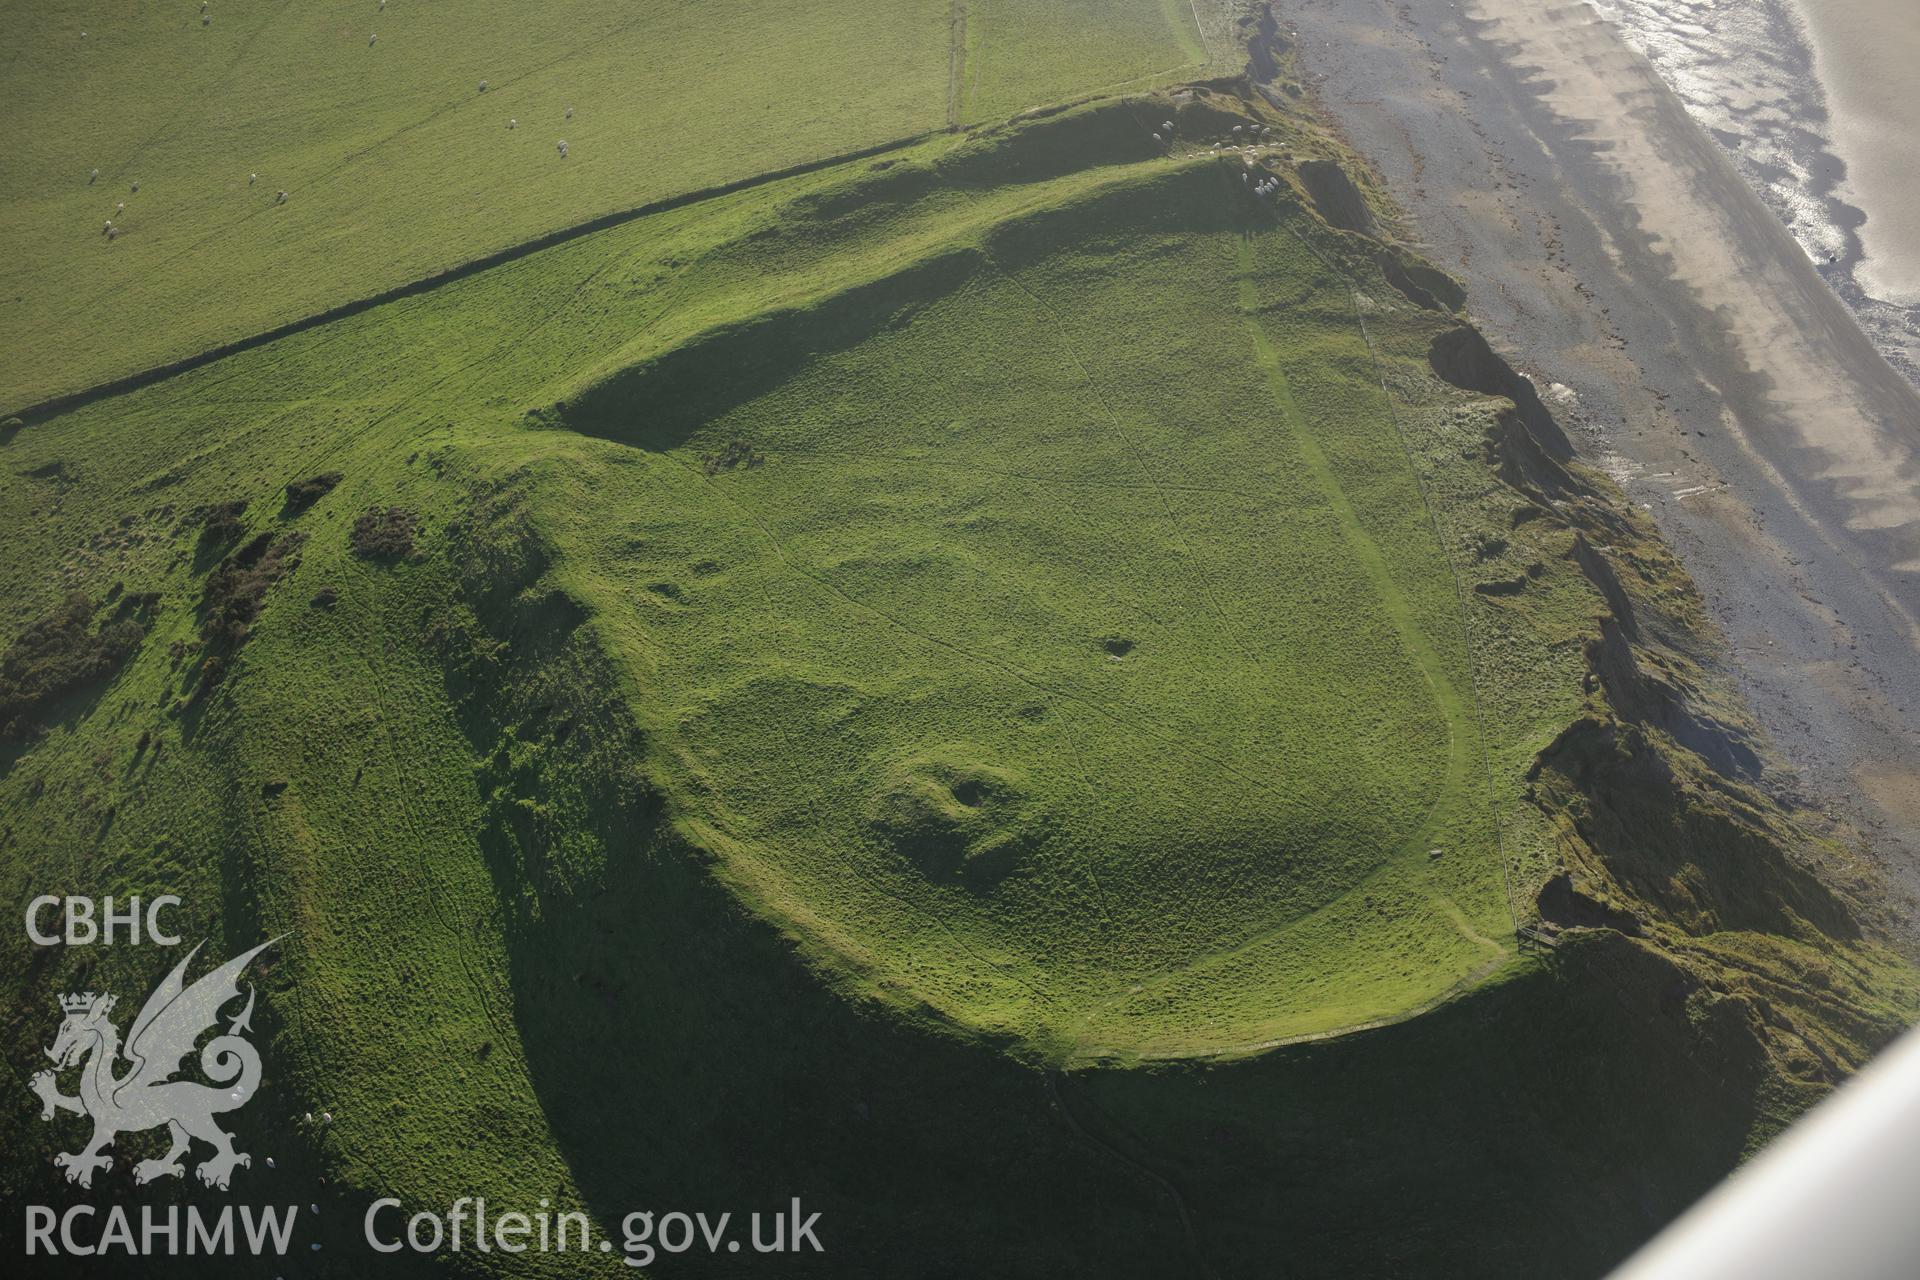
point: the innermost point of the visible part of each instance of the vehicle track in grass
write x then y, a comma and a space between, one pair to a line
956, 59
1464, 726
1159, 1180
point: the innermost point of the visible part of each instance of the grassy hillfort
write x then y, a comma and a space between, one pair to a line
916, 604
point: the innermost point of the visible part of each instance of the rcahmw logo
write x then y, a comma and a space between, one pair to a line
131, 1086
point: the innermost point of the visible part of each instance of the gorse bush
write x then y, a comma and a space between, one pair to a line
61, 653
738, 453
384, 533
221, 524
234, 594
302, 494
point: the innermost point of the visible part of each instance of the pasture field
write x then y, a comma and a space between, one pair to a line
1011, 688
1019, 56
397, 166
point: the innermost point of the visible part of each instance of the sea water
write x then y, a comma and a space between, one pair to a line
1812, 100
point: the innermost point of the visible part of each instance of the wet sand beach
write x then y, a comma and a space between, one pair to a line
1611, 245
1808, 99
1865, 55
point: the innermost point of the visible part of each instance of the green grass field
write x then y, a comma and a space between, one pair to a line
1020, 56
1000, 687
398, 167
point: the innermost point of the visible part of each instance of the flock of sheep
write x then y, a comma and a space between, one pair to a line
112, 232
1250, 133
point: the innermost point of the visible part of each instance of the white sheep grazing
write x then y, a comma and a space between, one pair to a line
483, 86
107, 226
281, 198
1167, 125
206, 19
512, 123
563, 148
252, 178
136, 186
370, 40
569, 113
120, 207
113, 233
1236, 130
1159, 141
93, 177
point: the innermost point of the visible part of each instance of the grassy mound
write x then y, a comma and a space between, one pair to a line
1042, 503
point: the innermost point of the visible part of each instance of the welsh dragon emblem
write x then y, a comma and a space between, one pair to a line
145, 1095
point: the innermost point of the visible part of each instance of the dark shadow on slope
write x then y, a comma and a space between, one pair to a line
1420, 284
1336, 198
1462, 357
1039, 146
660, 402
1700, 847
1642, 691
683, 1052
1547, 1125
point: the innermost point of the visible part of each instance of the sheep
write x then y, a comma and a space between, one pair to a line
93, 177
136, 187
1158, 141
483, 86
370, 40
113, 232
120, 207
562, 144
569, 113
206, 19
1167, 125
1236, 131
512, 123
280, 198
107, 227
252, 178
